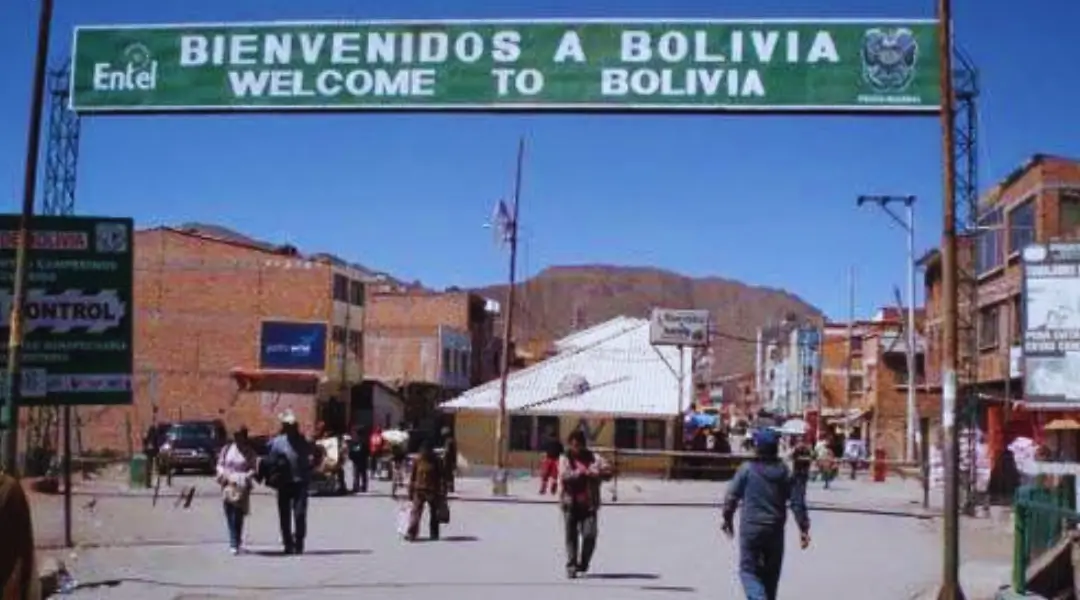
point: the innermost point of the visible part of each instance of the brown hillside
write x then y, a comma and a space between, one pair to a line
561, 299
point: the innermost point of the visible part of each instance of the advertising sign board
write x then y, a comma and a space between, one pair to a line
292, 346
1051, 332
670, 327
78, 311
669, 65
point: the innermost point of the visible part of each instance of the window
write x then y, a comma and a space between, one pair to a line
546, 426
356, 293
338, 335
855, 384
447, 365
654, 435
1069, 214
521, 433
1017, 319
626, 434
989, 253
856, 344
988, 327
356, 342
1022, 225
341, 288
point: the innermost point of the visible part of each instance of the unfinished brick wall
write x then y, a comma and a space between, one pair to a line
199, 303
413, 321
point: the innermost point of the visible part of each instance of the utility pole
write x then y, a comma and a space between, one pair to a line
848, 397
908, 224
499, 483
950, 583
9, 419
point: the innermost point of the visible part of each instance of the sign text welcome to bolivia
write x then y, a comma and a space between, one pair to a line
789, 65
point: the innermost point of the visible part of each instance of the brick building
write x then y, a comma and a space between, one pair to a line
430, 345
877, 379
200, 303
1038, 202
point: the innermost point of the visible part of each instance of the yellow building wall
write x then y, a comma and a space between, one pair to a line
475, 435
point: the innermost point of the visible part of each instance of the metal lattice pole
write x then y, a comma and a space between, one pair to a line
58, 198
966, 90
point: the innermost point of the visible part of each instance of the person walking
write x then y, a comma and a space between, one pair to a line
449, 459
151, 448
375, 446
581, 472
426, 488
235, 474
18, 572
549, 464
766, 489
359, 456
292, 449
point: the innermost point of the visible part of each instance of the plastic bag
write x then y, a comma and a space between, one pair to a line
403, 518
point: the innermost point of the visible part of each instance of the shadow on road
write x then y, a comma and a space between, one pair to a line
621, 576
449, 538
112, 583
318, 552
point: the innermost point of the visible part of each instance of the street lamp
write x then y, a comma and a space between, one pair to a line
909, 225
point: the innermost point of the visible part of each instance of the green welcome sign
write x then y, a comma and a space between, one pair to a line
577, 65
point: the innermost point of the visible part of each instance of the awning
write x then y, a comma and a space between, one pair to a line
258, 379
1062, 425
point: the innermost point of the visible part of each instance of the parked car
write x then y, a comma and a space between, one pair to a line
193, 446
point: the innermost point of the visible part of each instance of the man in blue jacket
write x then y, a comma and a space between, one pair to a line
766, 488
294, 450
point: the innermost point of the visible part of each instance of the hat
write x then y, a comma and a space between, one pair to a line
288, 417
766, 437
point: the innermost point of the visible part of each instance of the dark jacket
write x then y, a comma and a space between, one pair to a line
553, 448
427, 476
359, 448
766, 488
449, 457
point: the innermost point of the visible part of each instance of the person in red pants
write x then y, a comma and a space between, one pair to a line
549, 465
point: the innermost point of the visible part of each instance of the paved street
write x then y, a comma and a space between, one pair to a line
133, 550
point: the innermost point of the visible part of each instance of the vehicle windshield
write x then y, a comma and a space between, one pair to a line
191, 432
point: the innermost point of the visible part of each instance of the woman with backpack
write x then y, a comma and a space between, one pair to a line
236, 468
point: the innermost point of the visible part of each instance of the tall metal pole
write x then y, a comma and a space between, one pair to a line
13, 381
500, 479
848, 400
950, 584
912, 407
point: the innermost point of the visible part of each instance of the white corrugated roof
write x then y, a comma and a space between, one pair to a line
596, 333
625, 375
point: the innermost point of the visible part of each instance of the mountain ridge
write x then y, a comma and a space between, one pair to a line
561, 299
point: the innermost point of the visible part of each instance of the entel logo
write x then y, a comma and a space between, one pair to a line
138, 75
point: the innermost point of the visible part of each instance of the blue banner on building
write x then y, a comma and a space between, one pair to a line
290, 345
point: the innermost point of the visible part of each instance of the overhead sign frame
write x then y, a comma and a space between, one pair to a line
848, 66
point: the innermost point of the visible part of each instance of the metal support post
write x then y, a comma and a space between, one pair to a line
13, 380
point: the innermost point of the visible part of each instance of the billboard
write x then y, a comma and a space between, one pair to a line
670, 65
77, 348
671, 327
1051, 338
292, 346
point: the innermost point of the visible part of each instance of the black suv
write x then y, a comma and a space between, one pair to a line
193, 445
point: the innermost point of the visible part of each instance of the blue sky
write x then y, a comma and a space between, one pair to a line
765, 200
